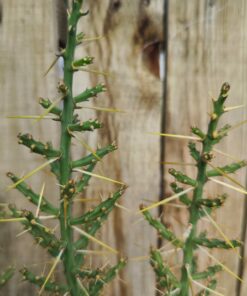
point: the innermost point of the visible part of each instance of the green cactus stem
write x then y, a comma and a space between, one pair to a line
198, 206
208, 273
64, 246
89, 93
96, 214
82, 62
212, 137
162, 230
109, 275
50, 286
212, 203
182, 178
6, 275
91, 158
165, 277
33, 197
89, 125
227, 169
42, 234
46, 103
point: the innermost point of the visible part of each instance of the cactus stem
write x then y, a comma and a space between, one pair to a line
199, 208
32, 173
175, 136
99, 176
6, 275
40, 200
56, 261
47, 111
92, 238
226, 175
66, 248
228, 270
229, 186
166, 200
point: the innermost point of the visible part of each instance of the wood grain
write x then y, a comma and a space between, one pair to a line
128, 28
28, 42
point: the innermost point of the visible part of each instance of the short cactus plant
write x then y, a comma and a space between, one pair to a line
64, 247
198, 207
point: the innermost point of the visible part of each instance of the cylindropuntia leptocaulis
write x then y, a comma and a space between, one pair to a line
198, 207
80, 280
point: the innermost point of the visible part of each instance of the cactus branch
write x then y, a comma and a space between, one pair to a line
198, 207
63, 245
33, 197
39, 281
6, 275
207, 144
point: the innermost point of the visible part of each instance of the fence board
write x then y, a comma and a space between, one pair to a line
128, 27
27, 39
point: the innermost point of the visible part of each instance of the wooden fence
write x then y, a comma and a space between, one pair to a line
205, 44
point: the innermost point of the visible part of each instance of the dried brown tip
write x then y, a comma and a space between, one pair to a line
225, 88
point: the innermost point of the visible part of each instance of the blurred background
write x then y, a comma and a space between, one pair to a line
164, 61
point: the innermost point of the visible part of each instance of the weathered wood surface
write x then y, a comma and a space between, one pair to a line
128, 28
207, 46
27, 45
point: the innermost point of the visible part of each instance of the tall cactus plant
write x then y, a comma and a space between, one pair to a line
198, 207
80, 279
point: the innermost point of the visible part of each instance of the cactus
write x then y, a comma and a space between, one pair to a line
80, 280
198, 207
6, 275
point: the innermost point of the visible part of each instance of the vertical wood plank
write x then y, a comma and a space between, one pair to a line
128, 28
207, 46
28, 44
